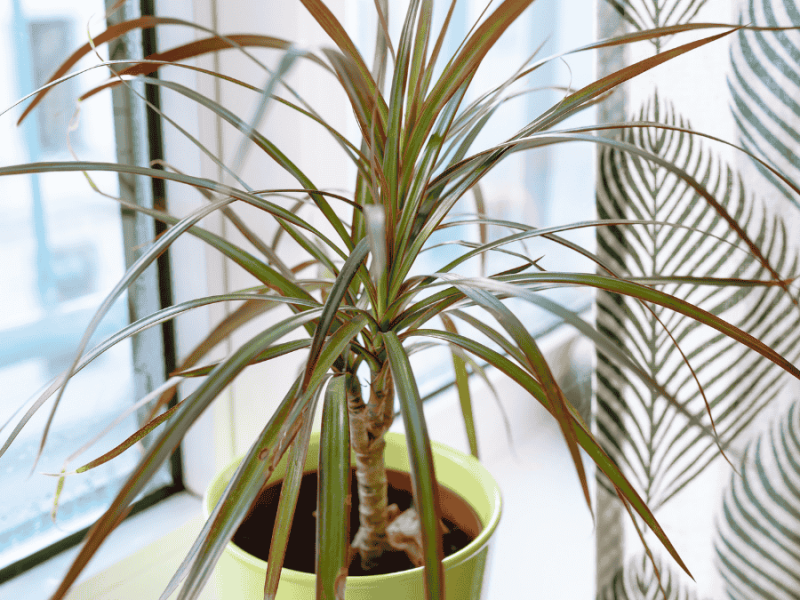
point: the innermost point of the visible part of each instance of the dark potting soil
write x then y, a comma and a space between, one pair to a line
255, 533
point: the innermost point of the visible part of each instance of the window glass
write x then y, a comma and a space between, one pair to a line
62, 251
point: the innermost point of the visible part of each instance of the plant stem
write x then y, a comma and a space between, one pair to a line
368, 424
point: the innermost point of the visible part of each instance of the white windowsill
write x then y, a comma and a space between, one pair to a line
129, 564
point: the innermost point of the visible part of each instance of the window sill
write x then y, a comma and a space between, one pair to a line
135, 562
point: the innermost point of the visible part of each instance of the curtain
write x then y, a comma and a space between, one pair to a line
727, 491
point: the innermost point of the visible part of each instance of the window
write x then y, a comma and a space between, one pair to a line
64, 246
529, 187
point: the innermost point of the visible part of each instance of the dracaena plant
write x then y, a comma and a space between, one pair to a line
414, 160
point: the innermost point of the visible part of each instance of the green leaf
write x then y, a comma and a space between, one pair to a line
334, 29
538, 365
132, 329
602, 340
391, 157
278, 156
329, 311
537, 140
257, 268
581, 429
372, 126
336, 345
572, 102
462, 385
417, 68
462, 68
242, 315
290, 490
208, 549
199, 182
130, 440
268, 354
333, 504
416, 180
420, 456
249, 479
761, 164
169, 439
647, 294
131, 274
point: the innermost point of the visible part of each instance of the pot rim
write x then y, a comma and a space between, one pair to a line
466, 461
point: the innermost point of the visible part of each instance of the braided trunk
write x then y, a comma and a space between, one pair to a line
368, 424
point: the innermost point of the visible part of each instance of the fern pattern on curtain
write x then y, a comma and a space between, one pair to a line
737, 523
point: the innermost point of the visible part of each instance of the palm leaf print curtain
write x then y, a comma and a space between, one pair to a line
736, 522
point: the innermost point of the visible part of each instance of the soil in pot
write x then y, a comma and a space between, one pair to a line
255, 532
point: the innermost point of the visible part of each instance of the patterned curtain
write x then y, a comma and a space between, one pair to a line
734, 518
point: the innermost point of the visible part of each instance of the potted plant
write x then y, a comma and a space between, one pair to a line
414, 161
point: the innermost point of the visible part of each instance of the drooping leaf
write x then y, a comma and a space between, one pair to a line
290, 490
538, 366
268, 354
340, 285
581, 429
165, 444
462, 386
259, 463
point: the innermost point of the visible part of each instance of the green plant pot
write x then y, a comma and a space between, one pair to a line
240, 575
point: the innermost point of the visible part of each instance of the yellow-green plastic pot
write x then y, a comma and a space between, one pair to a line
240, 575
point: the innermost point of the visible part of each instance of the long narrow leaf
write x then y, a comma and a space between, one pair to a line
570, 104
423, 478
131, 274
126, 332
462, 385
268, 354
169, 439
346, 274
463, 67
290, 490
333, 503
549, 138
337, 33
647, 294
538, 364
230, 512
582, 433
